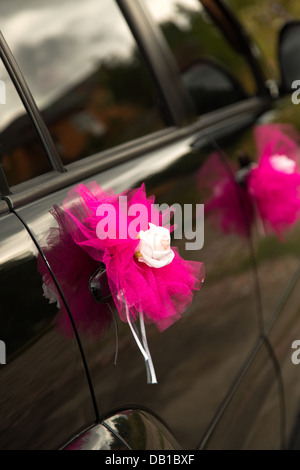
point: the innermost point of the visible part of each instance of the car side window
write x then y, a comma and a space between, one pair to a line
21, 153
84, 69
214, 74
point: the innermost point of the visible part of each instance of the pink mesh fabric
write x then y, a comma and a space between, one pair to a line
72, 268
162, 294
275, 189
228, 205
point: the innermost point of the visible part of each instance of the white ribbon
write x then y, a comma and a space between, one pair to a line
117, 332
151, 376
144, 348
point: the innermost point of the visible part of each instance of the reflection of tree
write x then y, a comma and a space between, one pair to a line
263, 19
114, 104
123, 98
127, 80
120, 96
141, 431
195, 37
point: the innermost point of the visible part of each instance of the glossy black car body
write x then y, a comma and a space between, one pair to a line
225, 375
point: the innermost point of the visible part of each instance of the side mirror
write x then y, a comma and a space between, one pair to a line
211, 86
289, 56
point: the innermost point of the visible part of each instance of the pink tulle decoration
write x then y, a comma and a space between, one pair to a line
268, 189
228, 204
72, 268
274, 185
162, 294
277, 139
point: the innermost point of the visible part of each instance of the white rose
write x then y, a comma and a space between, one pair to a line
283, 164
154, 247
51, 295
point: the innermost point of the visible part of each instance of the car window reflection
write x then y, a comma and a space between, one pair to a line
85, 72
21, 153
195, 40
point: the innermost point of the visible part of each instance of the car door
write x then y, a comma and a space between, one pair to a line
279, 291
42, 375
38, 413
215, 370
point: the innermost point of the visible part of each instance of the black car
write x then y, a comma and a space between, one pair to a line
170, 94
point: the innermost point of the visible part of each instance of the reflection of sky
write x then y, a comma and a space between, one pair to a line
16, 247
15, 242
13, 105
57, 43
168, 10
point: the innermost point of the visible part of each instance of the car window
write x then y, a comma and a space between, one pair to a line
21, 153
85, 72
213, 72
